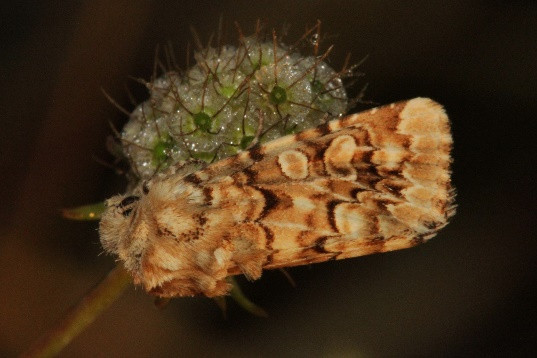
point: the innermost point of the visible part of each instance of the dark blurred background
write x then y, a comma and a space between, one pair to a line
469, 292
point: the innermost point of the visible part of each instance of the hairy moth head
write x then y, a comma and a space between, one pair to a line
155, 232
116, 221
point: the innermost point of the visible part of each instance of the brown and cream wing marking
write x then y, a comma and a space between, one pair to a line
370, 182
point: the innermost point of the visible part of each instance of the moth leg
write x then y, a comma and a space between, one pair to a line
212, 287
194, 284
249, 253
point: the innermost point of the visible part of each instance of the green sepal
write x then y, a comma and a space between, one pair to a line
84, 213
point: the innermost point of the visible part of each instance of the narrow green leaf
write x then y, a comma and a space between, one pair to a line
89, 212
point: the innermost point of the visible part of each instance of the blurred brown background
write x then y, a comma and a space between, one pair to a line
470, 291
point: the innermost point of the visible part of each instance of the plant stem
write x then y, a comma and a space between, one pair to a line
237, 294
81, 315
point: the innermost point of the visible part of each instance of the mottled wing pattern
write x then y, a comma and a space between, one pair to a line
370, 182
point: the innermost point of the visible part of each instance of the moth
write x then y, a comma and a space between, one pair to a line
370, 182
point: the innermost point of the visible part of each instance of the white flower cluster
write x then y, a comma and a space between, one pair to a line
231, 98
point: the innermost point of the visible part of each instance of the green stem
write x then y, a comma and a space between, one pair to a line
81, 315
237, 294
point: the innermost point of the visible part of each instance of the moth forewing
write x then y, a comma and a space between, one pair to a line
370, 182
